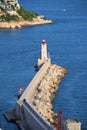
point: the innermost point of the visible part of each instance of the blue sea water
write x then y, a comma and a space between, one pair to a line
67, 44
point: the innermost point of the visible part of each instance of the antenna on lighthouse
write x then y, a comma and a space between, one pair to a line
48, 55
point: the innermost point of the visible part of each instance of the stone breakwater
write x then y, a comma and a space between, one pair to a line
34, 109
45, 93
18, 24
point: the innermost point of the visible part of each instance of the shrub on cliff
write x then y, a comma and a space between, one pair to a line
26, 15
8, 18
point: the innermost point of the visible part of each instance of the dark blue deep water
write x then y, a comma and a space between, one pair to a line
67, 44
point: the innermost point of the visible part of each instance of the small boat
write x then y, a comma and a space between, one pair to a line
63, 10
20, 92
36, 67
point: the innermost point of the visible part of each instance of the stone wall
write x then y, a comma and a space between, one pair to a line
33, 119
30, 90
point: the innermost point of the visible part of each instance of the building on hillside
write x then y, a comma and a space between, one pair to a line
9, 5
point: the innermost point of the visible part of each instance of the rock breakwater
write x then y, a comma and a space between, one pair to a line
45, 93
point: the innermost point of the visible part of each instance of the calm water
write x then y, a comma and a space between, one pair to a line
67, 44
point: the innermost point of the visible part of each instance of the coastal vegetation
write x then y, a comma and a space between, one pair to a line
21, 15
26, 15
7, 17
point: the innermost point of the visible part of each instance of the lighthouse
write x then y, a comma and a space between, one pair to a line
44, 55
43, 50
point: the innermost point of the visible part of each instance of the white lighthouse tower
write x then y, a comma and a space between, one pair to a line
44, 56
43, 50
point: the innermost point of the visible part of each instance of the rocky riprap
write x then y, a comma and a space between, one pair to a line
45, 93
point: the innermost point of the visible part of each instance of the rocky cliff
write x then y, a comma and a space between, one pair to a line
12, 16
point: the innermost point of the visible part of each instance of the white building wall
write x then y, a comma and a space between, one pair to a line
72, 125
